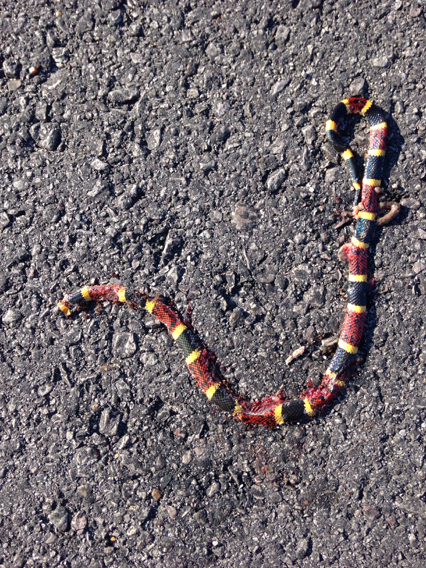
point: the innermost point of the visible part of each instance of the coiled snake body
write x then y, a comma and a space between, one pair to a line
277, 409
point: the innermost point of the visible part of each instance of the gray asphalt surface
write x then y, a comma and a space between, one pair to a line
179, 147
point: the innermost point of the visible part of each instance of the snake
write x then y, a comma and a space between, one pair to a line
277, 409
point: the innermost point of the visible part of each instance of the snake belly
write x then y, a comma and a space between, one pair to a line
277, 409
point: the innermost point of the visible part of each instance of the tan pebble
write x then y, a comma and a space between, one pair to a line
156, 493
83, 490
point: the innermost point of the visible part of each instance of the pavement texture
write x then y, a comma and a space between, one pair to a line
179, 147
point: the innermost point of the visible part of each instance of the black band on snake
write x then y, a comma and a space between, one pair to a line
277, 409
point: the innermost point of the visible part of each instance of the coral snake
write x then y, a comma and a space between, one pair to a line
277, 409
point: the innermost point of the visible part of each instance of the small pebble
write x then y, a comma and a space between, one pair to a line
13, 85
279, 86
12, 316
309, 133
332, 175
244, 216
357, 86
153, 139
381, 62
156, 493
123, 96
79, 522
419, 266
172, 512
124, 345
60, 519
213, 489
99, 165
275, 180
282, 33
187, 457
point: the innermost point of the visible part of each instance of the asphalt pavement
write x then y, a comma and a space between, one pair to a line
179, 147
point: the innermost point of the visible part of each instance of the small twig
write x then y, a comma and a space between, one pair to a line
247, 259
295, 355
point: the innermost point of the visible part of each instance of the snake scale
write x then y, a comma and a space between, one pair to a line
277, 409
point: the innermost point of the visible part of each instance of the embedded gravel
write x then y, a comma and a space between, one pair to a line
178, 146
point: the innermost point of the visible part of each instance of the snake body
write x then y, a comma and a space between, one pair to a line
276, 409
